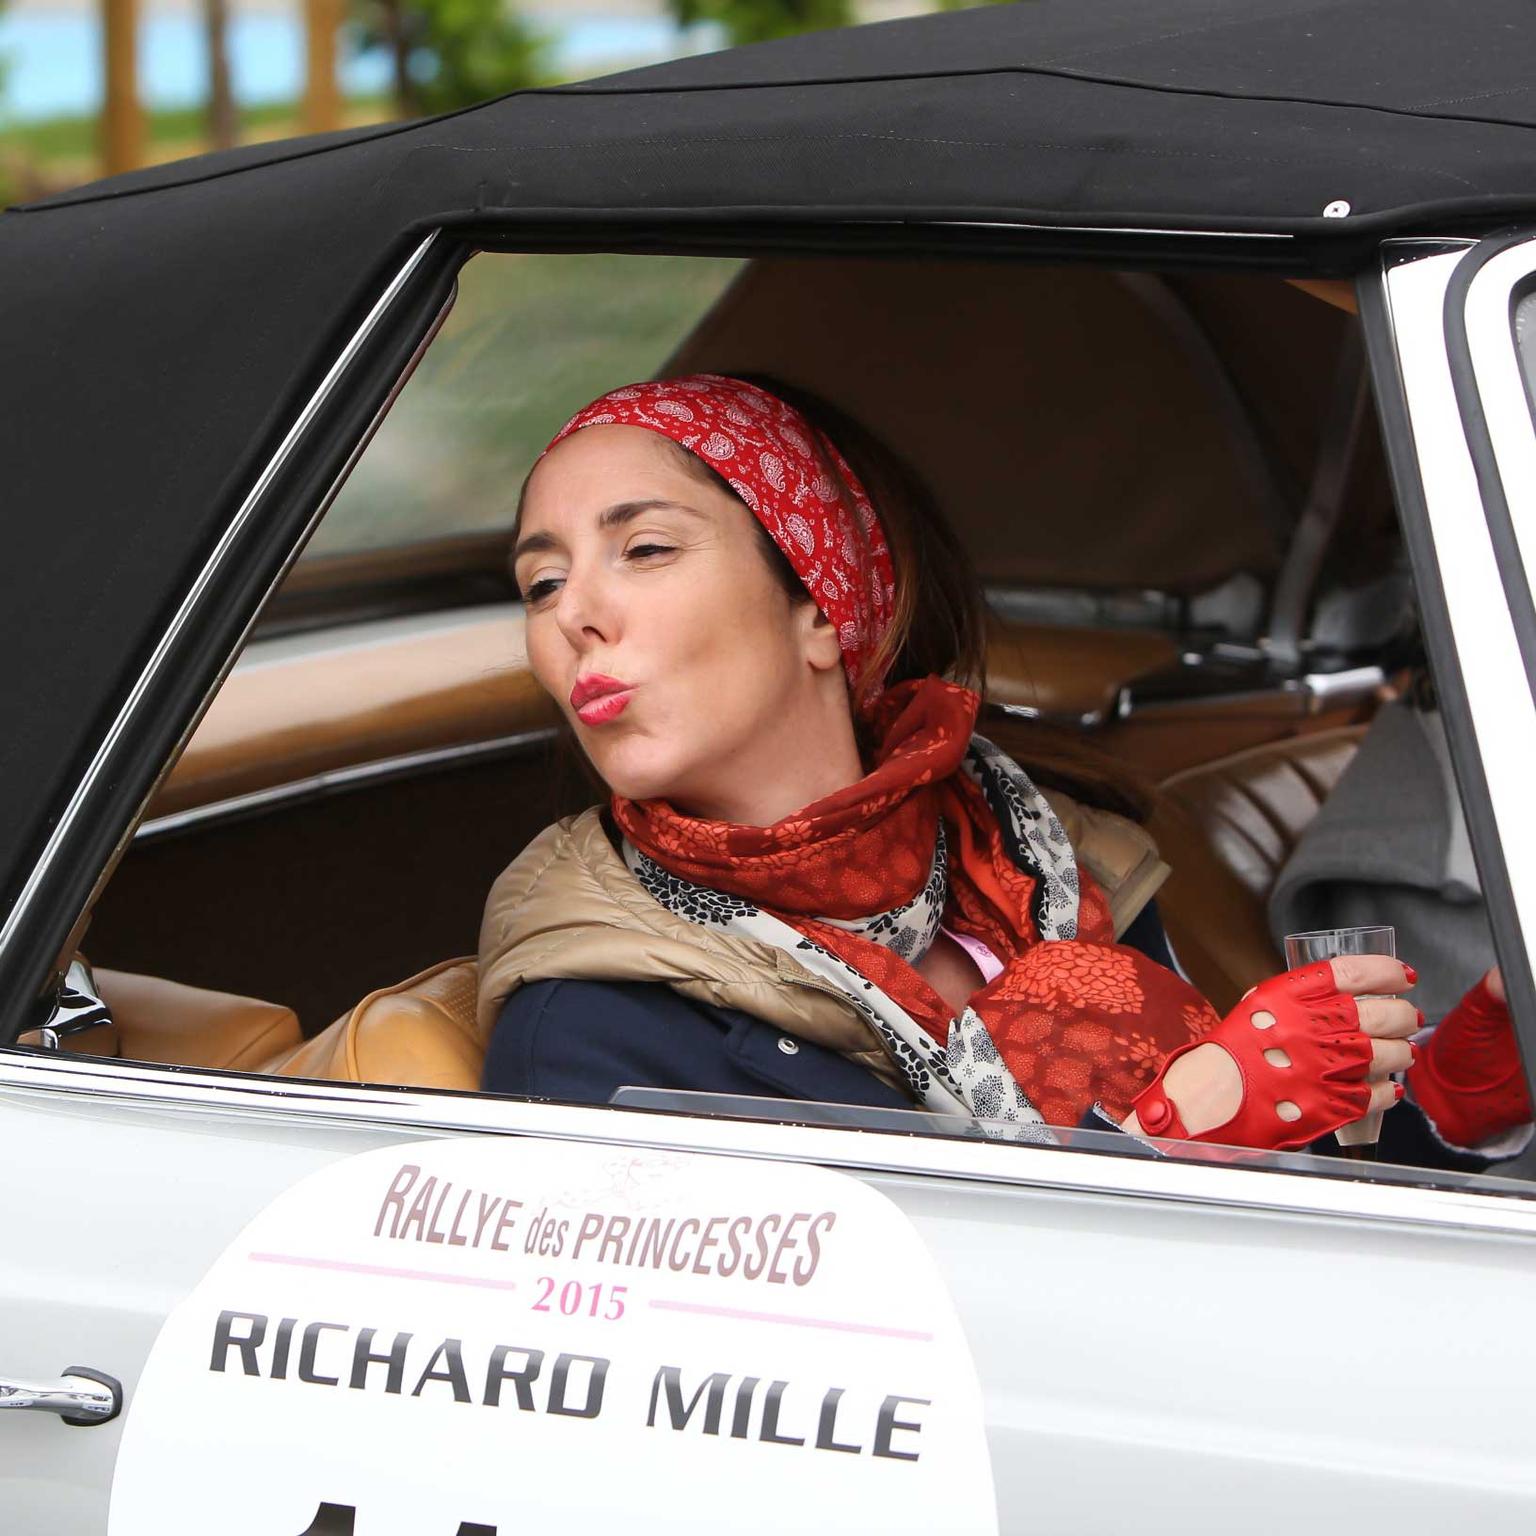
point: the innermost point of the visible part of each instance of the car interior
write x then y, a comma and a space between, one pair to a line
1172, 486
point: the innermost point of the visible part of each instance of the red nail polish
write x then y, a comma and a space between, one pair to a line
1420, 1013
1397, 1092
1412, 975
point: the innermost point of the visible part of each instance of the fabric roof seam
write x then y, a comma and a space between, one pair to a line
1213, 93
597, 88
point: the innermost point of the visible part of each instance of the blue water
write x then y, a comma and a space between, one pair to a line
52, 60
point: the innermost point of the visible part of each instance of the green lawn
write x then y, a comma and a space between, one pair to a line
52, 153
74, 138
530, 340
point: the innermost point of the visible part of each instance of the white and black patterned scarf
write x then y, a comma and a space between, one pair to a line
966, 1075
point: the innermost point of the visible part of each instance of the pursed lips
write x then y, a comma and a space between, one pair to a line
597, 698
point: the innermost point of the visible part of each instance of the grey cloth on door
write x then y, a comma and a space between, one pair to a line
1390, 845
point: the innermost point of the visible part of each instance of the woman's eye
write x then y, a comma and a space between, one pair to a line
546, 586
645, 551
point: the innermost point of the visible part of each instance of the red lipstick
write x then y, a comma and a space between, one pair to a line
597, 698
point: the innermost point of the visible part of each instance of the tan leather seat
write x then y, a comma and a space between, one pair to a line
164, 1021
1227, 827
419, 1033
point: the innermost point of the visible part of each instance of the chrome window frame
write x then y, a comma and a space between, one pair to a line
1469, 608
1502, 392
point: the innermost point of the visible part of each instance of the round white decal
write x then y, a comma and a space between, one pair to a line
485, 1336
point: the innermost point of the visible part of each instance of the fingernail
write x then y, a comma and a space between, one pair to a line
1412, 975
1397, 1092
1420, 1013
1415, 1057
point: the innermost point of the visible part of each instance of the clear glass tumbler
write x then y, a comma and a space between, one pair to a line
1359, 1137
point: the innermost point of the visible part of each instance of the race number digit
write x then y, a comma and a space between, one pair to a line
341, 1520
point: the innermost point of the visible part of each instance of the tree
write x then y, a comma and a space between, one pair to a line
451, 53
122, 116
756, 21
221, 97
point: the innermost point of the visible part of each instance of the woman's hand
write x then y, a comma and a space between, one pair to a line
1470, 1080
1297, 1058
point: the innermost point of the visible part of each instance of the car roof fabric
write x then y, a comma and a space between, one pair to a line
161, 330
1231, 114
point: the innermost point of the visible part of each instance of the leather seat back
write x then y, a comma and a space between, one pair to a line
419, 1033
164, 1021
1227, 828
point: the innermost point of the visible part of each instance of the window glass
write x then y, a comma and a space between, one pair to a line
530, 339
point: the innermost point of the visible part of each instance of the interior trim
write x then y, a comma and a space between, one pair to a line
338, 780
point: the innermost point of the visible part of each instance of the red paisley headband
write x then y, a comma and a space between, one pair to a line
776, 462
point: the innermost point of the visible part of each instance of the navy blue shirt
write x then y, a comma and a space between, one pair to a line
580, 1041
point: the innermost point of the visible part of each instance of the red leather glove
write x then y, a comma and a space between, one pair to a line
1469, 1078
1318, 1028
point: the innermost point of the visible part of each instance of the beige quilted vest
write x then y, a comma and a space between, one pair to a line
568, 908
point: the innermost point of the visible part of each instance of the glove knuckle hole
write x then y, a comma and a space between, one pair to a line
1262, 1018
1276, 1057
1288, 1111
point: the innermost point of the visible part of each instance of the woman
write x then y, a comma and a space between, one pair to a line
812, 879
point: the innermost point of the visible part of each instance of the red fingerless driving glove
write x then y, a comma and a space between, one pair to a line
1318, 1029
1469, 1078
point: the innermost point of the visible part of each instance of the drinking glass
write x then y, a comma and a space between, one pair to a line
1359, 1137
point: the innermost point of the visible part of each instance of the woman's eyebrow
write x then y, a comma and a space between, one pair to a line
611, 517
626, 511
534, 544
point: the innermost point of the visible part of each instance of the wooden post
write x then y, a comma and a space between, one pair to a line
322, 96
222, 127
122, 118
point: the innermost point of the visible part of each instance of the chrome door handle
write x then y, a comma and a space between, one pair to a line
83, 1397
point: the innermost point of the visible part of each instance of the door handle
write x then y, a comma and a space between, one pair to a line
82, 1397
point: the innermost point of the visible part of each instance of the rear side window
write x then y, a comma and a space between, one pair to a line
530, 339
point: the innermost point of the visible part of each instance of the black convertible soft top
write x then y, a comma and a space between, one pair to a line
160, 332
1241, 115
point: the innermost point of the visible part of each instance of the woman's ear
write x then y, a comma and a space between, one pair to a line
818, 638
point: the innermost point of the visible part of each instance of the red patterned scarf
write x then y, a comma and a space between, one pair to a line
1077, 1022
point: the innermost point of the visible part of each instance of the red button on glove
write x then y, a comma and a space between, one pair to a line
1318, 1028
1469, 1078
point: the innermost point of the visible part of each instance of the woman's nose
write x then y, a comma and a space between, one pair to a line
585, 612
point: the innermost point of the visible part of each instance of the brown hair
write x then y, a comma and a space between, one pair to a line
940, 618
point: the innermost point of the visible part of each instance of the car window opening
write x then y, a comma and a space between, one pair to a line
1200, 642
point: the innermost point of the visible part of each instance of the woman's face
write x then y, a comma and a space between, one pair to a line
655, 621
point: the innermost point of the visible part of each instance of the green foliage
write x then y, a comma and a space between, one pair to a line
454, 52
757, 21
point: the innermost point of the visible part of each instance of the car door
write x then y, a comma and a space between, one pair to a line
1081, 1339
